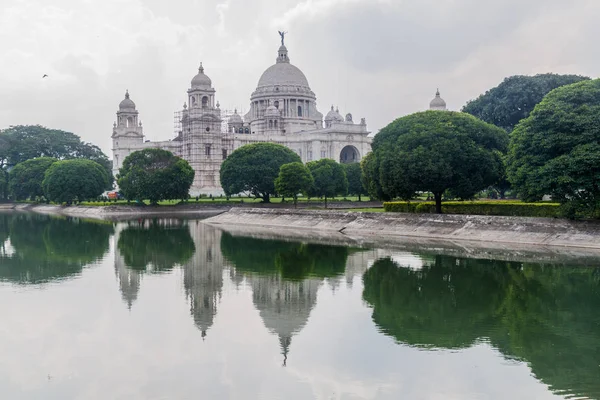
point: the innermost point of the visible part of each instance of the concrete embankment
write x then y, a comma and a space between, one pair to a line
115, 212
381, 227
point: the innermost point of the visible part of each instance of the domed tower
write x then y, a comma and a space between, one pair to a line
201, 134
127, 132
437, 103
285, 87
235, 123
333, 116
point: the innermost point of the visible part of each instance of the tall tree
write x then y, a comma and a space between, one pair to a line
155, 174
24, 142
74, 180
329, 179
253, 169
439, 151
513, 100
355, 182
556, 150
25, 179
293, 178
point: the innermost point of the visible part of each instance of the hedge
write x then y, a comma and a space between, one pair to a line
503, 208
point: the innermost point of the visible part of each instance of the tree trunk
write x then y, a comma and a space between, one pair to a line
359, 197
438, 202
325, 201
295, 201
266, 198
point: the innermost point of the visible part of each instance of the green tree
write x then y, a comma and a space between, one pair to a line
293, 178
3, 185
155, 247
556, 150
355, 181
155, 175
253, 169
329, 179
25, 179
513, 100
439, 151
74, 180
24, 142
370, 177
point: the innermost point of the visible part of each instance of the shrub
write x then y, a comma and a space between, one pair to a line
501, 208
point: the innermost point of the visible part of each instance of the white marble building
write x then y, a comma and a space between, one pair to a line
283, 110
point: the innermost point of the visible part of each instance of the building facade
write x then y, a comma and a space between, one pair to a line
283, 110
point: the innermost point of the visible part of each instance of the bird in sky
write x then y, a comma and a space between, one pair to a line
45, 76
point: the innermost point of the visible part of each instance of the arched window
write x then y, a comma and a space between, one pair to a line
207, 150
247, 131
270, 123
204, 102
299, 111
275, 124
276, 104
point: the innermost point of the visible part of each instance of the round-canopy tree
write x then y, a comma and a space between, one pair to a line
24, 142
512, 100
329, 179
155, 174
253, 168
355, 182
556, 150
70, 180
25, 179
293, 178
438, 151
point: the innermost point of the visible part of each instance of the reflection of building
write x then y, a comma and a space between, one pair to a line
283, 110
129, 279
203, 275
284, 305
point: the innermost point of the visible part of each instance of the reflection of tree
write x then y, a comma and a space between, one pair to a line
155, 245
543, 315
293, 260
47, 248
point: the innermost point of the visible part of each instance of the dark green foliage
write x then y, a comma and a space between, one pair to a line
512, 209
437, 151
370, 177
253, 169
21, 143
292, 260
513, 100
556, 150
546, 316
49, 248
329, 179
293, 178
25, 179
74, 180
155, 174
355, 181
154, 247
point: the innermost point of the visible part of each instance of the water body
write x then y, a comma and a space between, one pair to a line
176, 309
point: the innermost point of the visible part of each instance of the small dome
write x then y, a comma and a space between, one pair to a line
236, 118
127, 104
272, 111
201, 81
334, 115
437, 103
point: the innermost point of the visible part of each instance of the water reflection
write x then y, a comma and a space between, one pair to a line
545, 316
38, 249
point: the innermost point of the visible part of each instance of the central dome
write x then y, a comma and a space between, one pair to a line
283, 74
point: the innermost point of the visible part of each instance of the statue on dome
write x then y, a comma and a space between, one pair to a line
282, 34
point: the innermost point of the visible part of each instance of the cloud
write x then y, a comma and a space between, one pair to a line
377, 59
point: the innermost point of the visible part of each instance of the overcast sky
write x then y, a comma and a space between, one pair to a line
378, 59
